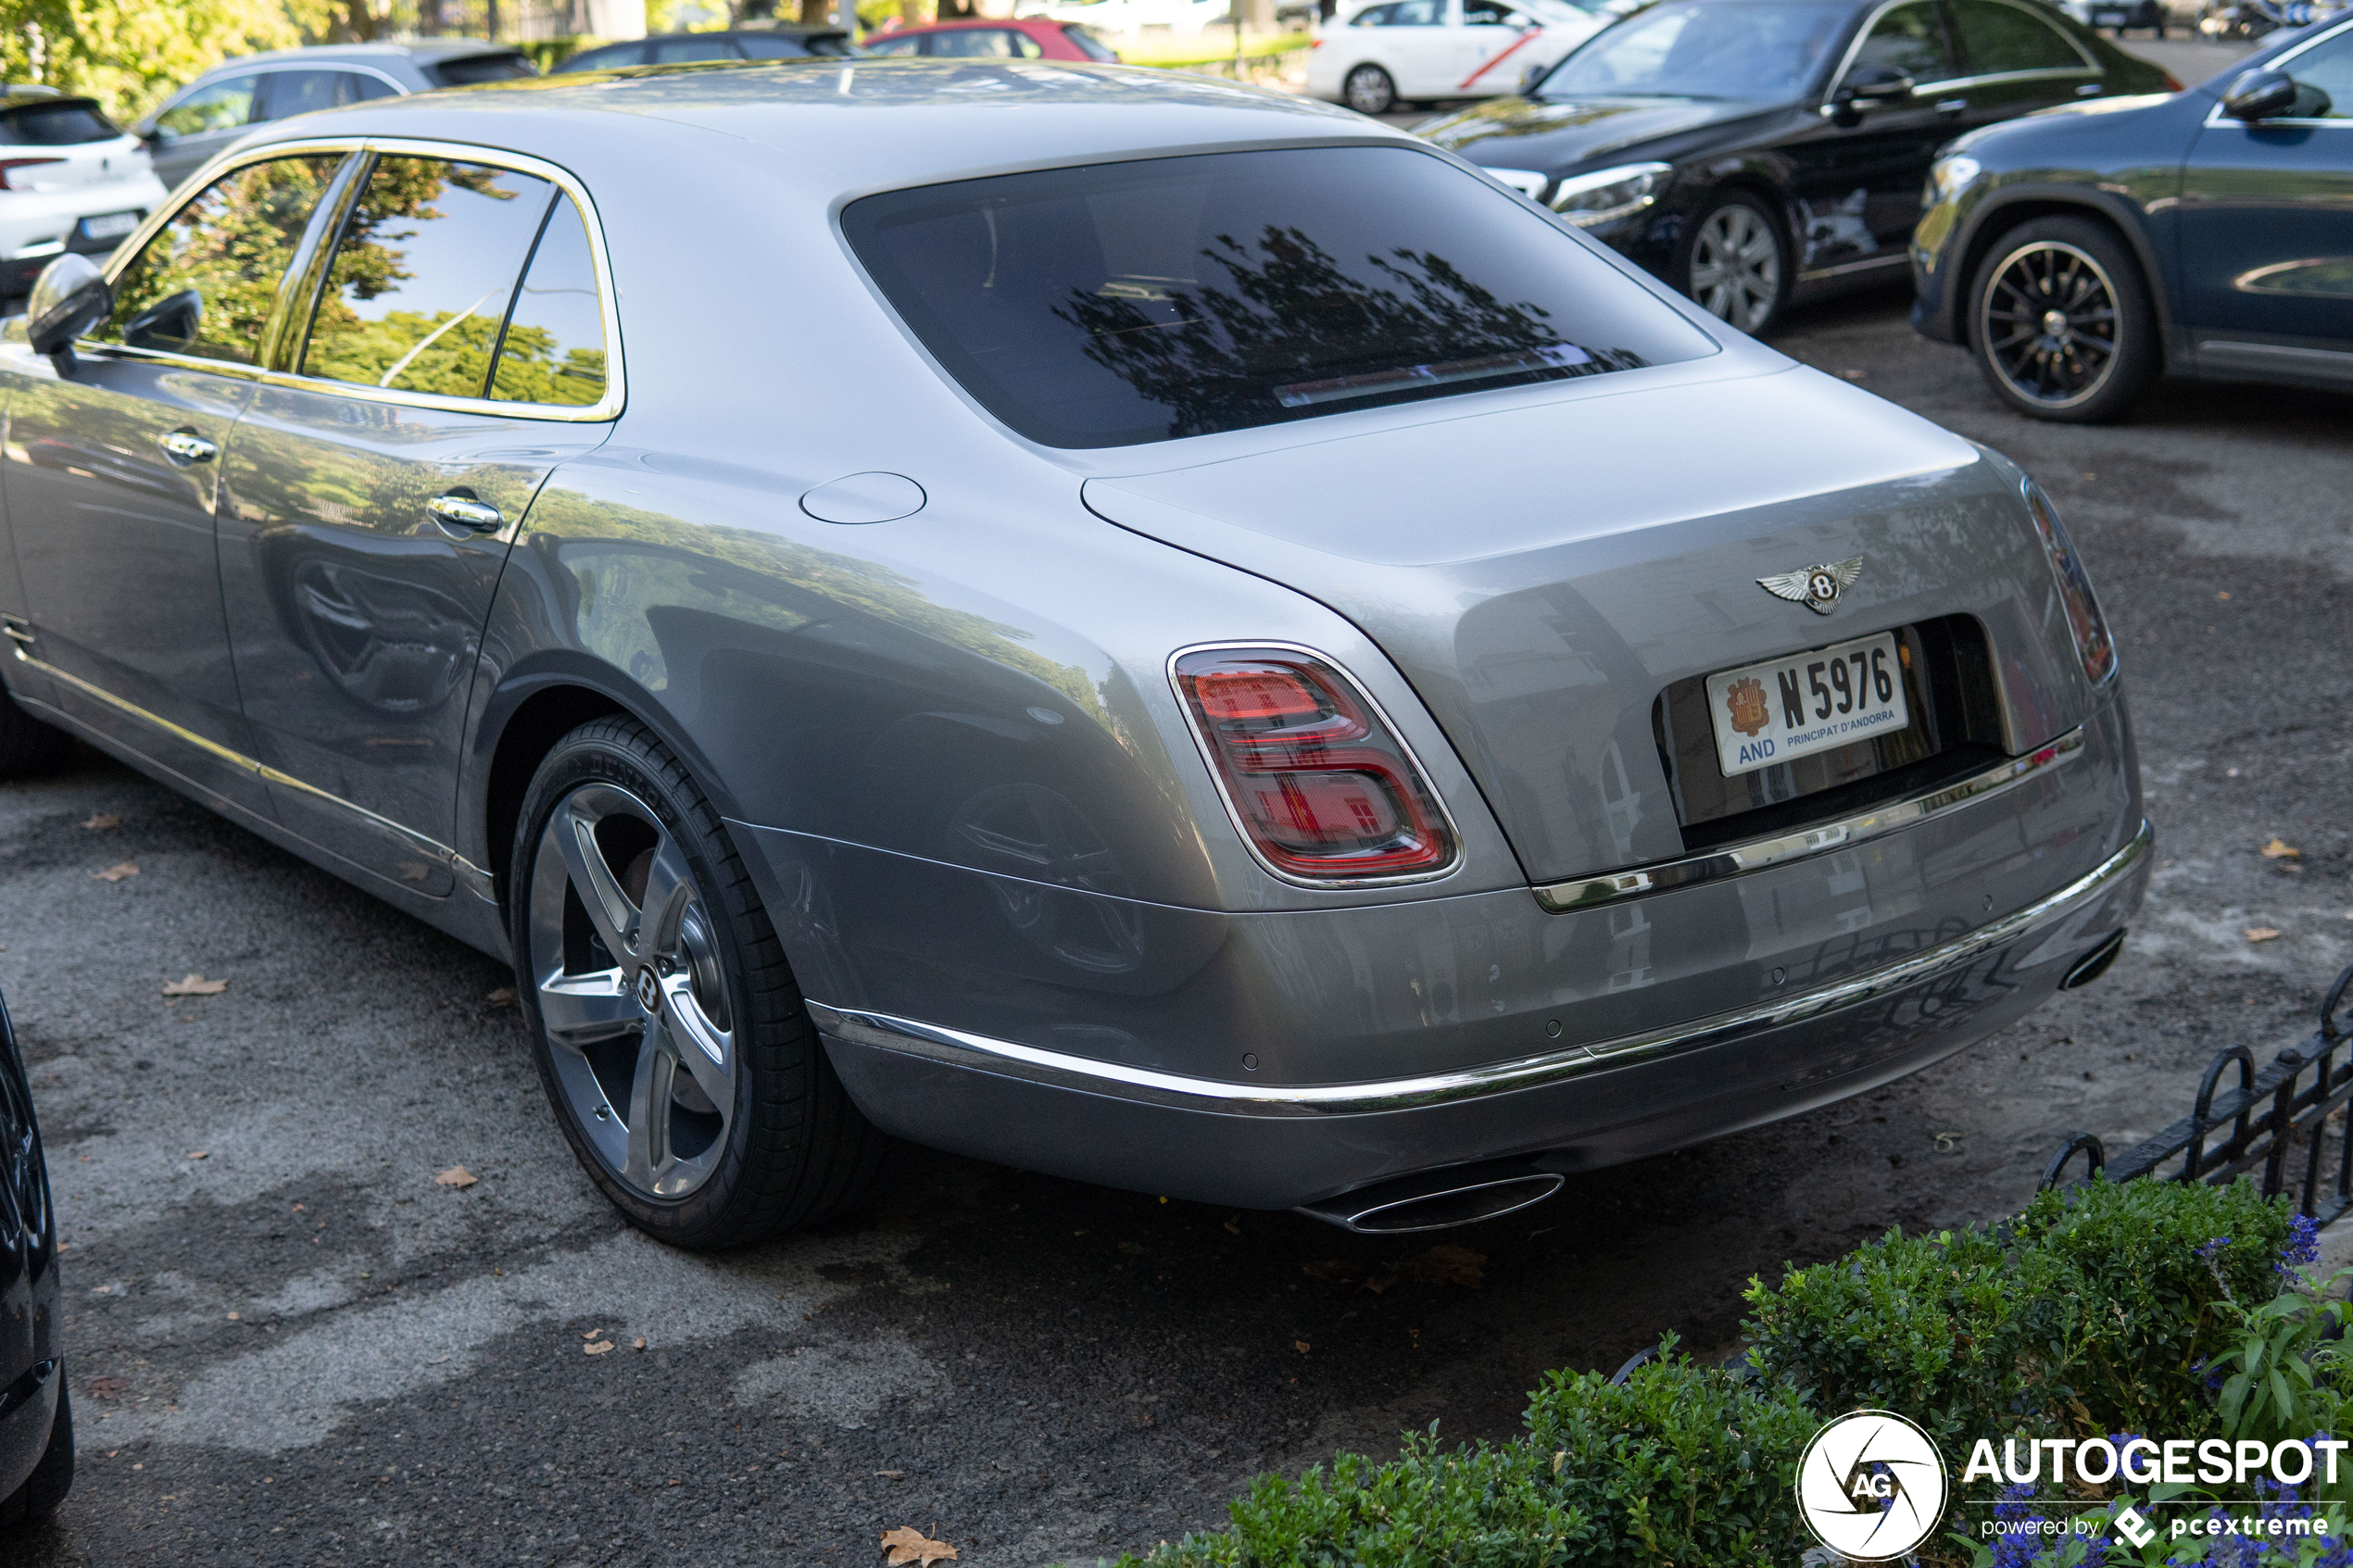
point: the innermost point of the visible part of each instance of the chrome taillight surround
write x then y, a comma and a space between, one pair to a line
1346, 753
2094, 645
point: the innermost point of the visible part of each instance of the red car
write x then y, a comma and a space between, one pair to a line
1027, 38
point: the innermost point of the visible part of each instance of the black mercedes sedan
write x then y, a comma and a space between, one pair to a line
2080, 255
36, 1422
1752, 152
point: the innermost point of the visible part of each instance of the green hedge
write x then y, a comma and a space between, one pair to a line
2091, 1312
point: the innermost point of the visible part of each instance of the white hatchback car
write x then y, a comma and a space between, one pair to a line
1399, 51
69, 179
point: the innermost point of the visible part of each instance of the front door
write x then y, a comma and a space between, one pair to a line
369, 504
112, 475
1859, 178
2266, 228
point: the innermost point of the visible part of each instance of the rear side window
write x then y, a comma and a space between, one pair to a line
686, 51
1088, 45
56, 124
896, 46
205, 283
554, 349
2001, 38
471, 69
424, 273
216, 106
1132, 302
606, 58
994, 43
288, 93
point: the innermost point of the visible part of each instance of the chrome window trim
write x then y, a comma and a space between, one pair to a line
1782, 849
1233, 812
1088, 1074
605, 408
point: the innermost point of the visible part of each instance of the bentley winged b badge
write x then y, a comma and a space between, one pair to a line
1816, 587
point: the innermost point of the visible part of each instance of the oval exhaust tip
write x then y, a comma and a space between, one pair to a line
1437, 1200
2093, 964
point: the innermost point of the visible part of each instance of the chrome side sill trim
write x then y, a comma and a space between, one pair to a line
1869, 263
1586, 893
1088, 1074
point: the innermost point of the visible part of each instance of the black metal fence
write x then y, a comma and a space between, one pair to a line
2289, 1118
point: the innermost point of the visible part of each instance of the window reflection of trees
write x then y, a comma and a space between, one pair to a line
1295, 323
206, 284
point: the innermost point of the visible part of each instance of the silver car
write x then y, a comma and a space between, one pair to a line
1109, 621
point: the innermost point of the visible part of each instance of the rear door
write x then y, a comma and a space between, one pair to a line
457, 352
2266, 228
111, 475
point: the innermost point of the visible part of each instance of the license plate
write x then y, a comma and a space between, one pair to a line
1805, 702
110, 225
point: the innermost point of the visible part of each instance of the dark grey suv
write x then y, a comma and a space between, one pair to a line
224, 104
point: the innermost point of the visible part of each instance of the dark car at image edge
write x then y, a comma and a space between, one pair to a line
1753, 152
2081, 254
36, 1419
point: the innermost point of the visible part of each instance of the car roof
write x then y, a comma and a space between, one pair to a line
851, 124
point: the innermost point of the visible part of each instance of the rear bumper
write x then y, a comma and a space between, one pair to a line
1581, 1108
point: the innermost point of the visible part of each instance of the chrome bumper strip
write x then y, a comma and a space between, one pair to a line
1591, 892
1094, 1076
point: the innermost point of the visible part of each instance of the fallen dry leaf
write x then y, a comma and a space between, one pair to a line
1301, 1346
1380, 1280
107, 1387
114, 874
1339, 1271
2261, 934
907, 1545
2278, 849
103, 820
640, 1342
194, 986
600, 1347
502, 998
594, 1334
200, 1154
455, 1176
1449, 1265
892, 1474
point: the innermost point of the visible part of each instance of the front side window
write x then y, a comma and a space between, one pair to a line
1909, 40
2324, 76
2000, 38
205, 283
216, 106
423, 274
554, 347
1142, 301
1732, 49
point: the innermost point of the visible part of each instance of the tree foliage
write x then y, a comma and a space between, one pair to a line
129, 57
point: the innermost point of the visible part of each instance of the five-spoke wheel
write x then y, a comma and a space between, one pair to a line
1736, 267
673, 1045
2061, 322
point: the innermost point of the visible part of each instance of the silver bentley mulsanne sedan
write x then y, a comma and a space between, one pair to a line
1106, 620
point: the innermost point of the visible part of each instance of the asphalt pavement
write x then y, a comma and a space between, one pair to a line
290, 1344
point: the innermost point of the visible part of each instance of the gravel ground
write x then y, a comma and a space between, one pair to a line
290, 1345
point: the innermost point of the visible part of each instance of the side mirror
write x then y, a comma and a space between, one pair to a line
1873, 85
2259, 94
68, 298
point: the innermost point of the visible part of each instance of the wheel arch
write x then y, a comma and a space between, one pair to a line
2008, 210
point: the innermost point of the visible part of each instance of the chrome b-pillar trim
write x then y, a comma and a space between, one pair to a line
1010, 1058
1590, 892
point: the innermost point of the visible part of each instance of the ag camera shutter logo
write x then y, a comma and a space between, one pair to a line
1871, 1486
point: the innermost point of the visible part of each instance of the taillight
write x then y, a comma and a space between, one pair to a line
2092, 644
1319, 784
2172, 85
8, 167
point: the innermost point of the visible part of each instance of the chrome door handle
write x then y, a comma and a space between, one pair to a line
185, 446
464, 511
1951, 105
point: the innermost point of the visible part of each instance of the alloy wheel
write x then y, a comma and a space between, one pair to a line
631, 992
1369, 91
2049, 324
1736, 266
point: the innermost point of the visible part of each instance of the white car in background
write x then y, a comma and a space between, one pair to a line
69, 179
1394, 52
1181, 18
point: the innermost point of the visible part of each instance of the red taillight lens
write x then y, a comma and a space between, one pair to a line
9, 179
1318, 782
2084, 622
2171, 84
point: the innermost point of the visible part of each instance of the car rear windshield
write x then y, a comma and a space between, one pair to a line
1119, 303
471, 69
53, 124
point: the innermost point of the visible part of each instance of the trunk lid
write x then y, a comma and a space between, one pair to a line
1542, 571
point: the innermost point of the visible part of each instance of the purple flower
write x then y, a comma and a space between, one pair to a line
2214, 1246
2303, 1244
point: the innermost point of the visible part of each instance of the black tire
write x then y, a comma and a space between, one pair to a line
781, 1145
2061, 323
1737, 263
28, 747
1368, 89
51, 1479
